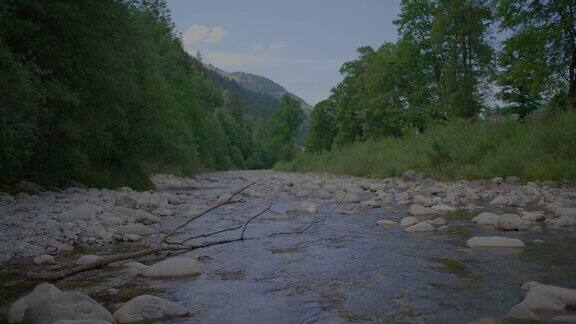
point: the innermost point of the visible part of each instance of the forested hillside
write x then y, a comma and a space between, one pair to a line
103, 92
455, 63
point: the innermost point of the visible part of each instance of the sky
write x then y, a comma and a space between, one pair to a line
299, 44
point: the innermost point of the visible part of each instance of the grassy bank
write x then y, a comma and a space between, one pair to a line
541, 149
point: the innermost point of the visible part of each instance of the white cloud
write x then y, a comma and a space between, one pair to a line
199, 34
216, 35
268, 47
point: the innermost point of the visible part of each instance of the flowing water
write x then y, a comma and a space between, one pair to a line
342, 269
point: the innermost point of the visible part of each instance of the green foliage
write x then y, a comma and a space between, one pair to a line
436, 71
321, 128
538, 149
543, 41
281, 129
103, 92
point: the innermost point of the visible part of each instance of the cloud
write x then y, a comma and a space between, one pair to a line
268, 47
203, 34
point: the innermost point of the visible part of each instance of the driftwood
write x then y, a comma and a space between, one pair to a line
162, 246
166, 245
316, 221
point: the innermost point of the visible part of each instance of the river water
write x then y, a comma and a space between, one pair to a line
345, 268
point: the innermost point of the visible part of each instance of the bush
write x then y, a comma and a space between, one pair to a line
539, 149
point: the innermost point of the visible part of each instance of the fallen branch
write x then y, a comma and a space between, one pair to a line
61, 274
316, 221
228, 201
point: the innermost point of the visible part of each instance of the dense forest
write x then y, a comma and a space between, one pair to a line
431, 101
453, 59
103, 92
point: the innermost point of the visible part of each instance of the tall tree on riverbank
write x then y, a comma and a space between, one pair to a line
460, 38
544, 36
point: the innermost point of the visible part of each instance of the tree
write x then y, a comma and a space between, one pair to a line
460, 37
544, 34
321, 128
282, 128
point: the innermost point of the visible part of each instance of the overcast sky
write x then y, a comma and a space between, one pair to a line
300, 44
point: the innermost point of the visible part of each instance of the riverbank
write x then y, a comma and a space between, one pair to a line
392, 249
539, 149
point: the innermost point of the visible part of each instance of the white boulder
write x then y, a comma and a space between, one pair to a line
148, 308
494, 242
174, 267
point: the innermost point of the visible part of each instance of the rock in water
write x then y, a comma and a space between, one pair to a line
44, 259
66, 306
486, 218
148, 308
420, 227
565, 221
417, 210
509, 222
522, 313
18, 308
385, 222
304, 206
408, 221
494, 242
87, 259
137, 229
174, 267
47, 304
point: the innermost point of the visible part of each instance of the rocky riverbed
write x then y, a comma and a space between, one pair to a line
351, 250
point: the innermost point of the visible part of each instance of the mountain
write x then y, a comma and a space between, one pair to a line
258, 96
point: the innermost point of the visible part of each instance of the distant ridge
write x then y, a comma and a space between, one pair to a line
259, 96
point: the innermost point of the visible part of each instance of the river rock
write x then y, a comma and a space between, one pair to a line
440, 221
417, 210
419, 227
174, 267
386, 222
369, 204
303, 206
521, 313
509, 222
135, 267
65, 306
137, 228
148, 308
29, 187
567, 319
79, 213
529, 285
500, 200
223, 199
533, 216
444, 208
112, 221
486, 218
422, 200
138, 215
44, 259
408, 221
565, 221
494, 242
125, 200
550, 298
18, 308
88, 259
569, 212
409, 175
